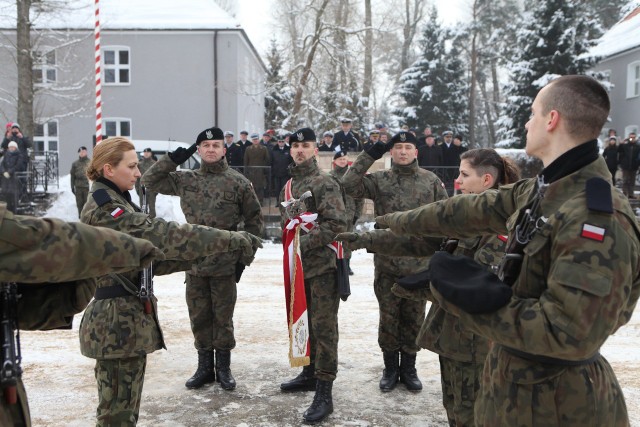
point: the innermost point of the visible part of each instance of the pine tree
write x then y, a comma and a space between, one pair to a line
434, 87
278, 95
551, 37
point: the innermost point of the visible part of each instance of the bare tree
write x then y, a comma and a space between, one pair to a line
25, 67
368, 56
413, 14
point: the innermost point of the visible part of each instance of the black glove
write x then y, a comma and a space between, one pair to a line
181, 155
416, 281
239, 270
378, 149
467, 284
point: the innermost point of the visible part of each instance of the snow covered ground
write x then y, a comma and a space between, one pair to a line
62, 390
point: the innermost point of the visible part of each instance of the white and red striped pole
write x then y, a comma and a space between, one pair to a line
98, 78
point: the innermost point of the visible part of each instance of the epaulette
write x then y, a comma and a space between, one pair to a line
101, 197
599, 195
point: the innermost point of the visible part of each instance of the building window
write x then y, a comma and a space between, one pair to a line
633, 79
117, 127
116, 65
46, 136
44, 68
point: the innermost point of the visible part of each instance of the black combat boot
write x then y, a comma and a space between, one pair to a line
223, 370
322, 404
204, 374
408, 374
305, 381
390, 373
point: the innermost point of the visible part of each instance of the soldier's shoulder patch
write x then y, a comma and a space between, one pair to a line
101, 197
593, 232
599, 197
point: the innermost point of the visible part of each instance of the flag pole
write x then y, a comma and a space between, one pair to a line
97, 76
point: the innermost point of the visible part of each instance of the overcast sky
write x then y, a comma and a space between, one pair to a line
256, 17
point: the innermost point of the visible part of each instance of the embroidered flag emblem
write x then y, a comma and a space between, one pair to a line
503, 237
592, 232
117, 212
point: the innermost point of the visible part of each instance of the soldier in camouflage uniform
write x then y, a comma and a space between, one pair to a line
215, 196
461, 352
404, 186
115, 329
578, 281
36, 250
79, 181
256, 165
145, 164
353, 206
319, 265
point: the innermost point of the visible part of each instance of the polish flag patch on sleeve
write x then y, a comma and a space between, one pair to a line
117, 212
592, 232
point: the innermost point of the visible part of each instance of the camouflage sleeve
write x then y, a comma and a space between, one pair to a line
387, 243
34, 250
162, 177
177, 241
440, 193
585, 296
252, 212
356, 183
358, 209
460, 216
332, 216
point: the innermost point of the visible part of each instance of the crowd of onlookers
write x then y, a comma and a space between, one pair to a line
624, 156
15, 159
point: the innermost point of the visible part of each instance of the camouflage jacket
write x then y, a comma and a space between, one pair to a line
37, 250
79, 173
393, 190
574, 289
353, 206
214, 195
118, 327
145, 164
327, 201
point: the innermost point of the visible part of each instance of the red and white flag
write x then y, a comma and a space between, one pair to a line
593, 232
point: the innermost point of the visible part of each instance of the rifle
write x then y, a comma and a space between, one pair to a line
527, 225
146, 277
11, 356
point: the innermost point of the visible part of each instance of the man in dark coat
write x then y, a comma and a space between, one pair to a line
628, 153
430, 155
280, 161
450, 159
235, 152
347, 139
12, 162
24, 143
326, 144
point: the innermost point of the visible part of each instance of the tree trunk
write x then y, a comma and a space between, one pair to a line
412, 17
488, 107
474, 77
368, 60
25, 68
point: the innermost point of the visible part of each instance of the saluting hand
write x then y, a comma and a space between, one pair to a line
181, 154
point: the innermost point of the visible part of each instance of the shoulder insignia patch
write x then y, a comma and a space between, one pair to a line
117, 212
599, 195
592, 232
101, 197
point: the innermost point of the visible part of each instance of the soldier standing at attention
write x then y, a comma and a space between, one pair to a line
319, 265
29, 248
79, 181
578, 278
216, 196
146, 162
405, 186
353, 206
116, 328
234, 152
256, 163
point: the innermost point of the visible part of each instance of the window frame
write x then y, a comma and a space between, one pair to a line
46, 139
116, 66
118, 121
633, 79
41, 67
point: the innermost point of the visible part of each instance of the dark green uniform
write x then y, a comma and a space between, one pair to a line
257, 164
80, 182
115, 330
216, 196
577, 285
35, 250
397, 189
319, 261
353, 206
144, 165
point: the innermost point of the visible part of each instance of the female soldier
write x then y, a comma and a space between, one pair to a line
116, 330
462, 353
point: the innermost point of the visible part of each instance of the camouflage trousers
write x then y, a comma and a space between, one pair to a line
16, 415
211, 302
460, 385
322, 305
519, 392
400, 318
119, 390
81, 197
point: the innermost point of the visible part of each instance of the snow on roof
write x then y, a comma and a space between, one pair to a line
623, 36
140, 14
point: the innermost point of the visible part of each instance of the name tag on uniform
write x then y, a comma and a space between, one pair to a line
592, 232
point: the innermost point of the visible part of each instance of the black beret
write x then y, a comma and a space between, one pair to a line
82, 148
147, 150
210, 134
404, 137
467, 284
339, 154
301, 135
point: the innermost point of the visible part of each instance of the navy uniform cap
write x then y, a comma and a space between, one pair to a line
301, 135
467, 284
210, 134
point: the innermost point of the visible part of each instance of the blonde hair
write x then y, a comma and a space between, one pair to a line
110, 151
